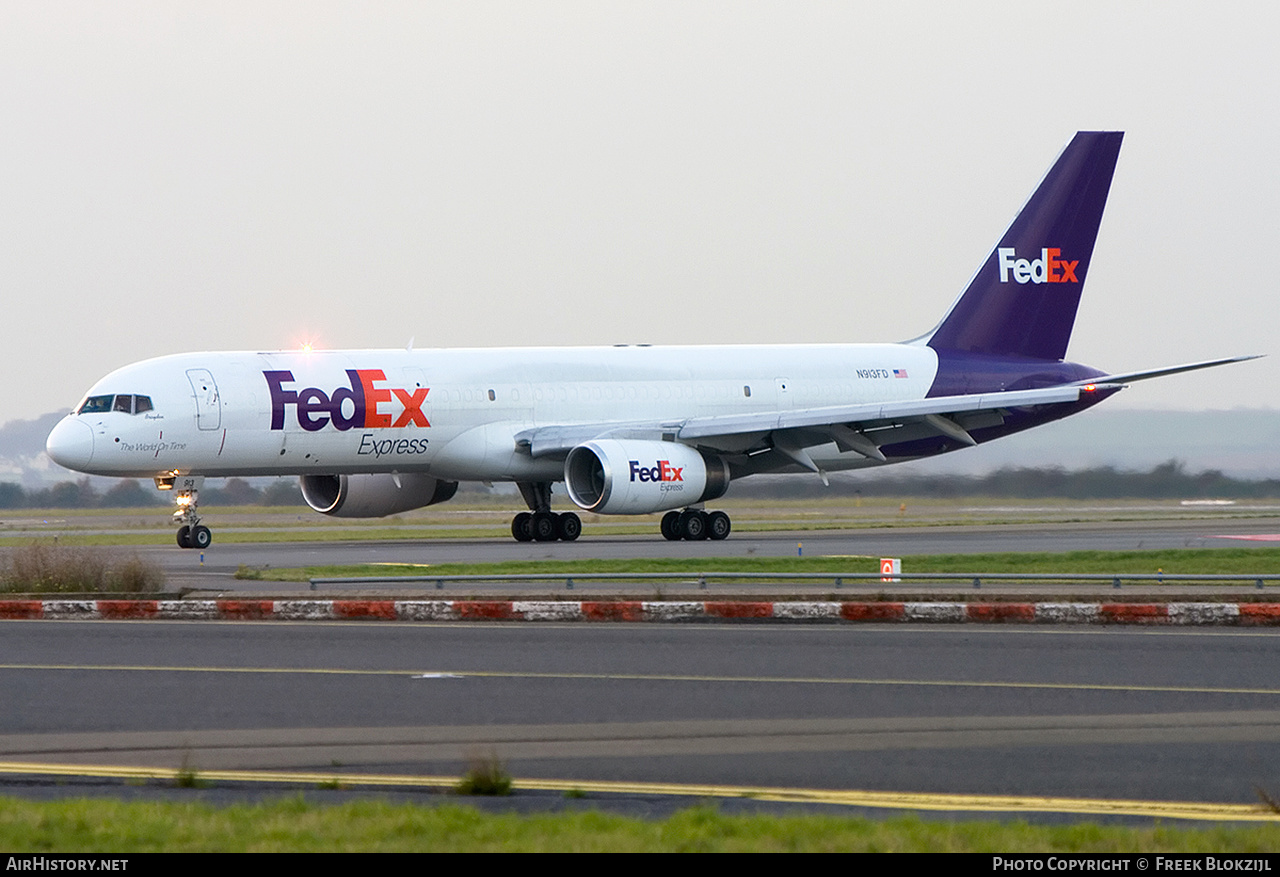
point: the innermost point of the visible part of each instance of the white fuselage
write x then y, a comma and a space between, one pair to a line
453, 414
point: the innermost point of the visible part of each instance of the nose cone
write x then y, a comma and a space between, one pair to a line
71, 444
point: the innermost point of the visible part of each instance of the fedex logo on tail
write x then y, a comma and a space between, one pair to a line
1047, 269
370, 406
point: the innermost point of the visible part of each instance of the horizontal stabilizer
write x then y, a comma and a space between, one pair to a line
1130, 377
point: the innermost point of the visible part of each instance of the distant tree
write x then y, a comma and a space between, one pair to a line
1169, 480
12, 496
126, 495
283, 492
68, 495
236, 491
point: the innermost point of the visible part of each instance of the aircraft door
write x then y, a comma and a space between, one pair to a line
205, 391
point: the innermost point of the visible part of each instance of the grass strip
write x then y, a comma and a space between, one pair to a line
299, 825
490, 520
1186, 561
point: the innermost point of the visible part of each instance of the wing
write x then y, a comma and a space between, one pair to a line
859, 429
853, 429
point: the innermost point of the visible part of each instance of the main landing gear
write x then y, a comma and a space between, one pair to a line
186, 492
540, 524
546, 527
695, 525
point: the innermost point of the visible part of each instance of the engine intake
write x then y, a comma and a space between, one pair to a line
373, 496
618, 477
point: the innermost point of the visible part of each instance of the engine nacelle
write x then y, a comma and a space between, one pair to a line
615, 477
373, 496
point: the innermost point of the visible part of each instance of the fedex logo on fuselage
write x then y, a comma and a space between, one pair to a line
1047, 269
370, 407
664, 471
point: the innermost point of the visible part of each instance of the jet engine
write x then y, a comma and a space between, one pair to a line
619, 477
373, 496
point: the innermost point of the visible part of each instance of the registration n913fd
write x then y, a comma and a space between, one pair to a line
630, 430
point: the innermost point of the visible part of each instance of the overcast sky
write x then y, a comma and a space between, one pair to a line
216, 175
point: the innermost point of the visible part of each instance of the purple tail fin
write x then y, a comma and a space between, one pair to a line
1022, 301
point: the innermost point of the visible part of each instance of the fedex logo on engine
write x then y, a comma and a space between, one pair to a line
664, 472
363, 404
1047, 269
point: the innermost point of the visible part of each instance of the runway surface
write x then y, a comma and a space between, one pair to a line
1094, 713
216, 567
1097, 713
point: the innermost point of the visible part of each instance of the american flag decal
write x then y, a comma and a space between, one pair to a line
899, 372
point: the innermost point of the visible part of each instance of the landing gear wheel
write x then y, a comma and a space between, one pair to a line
671, 526
186, 493
718, 525
693, 525
544, 526
568, 526
522, 527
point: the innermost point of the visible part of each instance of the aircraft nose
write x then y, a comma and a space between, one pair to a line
70, 444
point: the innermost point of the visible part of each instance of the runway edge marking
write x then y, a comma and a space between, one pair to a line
639, 611
1196, 810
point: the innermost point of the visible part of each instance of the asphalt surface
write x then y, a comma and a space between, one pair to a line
1108, 713
214, 569
1105, 713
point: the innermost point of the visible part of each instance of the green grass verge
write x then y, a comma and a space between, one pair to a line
1219, 561
491, 520
295, 825
311, 531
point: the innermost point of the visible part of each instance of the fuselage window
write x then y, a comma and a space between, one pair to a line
746, 391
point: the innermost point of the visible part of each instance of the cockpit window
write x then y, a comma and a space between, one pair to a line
122, 403
95, 404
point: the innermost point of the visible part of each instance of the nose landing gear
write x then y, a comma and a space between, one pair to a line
198, 536
186, 492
